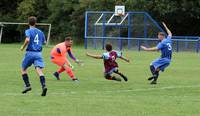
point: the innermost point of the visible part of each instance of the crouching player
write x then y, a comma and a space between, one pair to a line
58, 57
34, 41
166, 54
110, 63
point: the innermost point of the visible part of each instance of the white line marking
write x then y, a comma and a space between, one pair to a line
101, 92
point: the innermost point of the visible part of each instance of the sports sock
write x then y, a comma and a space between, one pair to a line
62, 69
69, 72
156, 74
152, 69
42, 81
26, 80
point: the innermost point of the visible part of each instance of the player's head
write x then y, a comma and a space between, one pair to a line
32, 20
108, 47
68, 41
161, 35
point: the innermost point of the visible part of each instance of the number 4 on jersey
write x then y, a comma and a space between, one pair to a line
36, 39
169, 46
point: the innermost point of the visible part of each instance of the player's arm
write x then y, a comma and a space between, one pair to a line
25, 44
124, 58
73, 57
149, 49
167, 29
94, 56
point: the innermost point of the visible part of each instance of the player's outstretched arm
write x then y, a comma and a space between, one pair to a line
73, 57
125, 59
25, 44
167, 29
94, 56
149, 49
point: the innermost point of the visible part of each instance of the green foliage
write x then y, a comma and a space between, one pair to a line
67, 16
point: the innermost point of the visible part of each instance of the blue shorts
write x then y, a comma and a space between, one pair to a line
161, 63
111, 71
32, 58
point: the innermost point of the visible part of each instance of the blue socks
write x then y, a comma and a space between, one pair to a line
42, 81
26, 80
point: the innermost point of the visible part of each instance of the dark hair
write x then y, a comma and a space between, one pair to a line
68, 38
161, 33
32, 20
108, 47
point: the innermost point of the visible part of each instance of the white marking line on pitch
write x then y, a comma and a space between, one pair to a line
117, 91
147, 89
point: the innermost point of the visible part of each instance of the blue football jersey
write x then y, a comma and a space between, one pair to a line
166, 47
37, 39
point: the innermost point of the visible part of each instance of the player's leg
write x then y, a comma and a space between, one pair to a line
58, 72
155, 72
42, 80
155, 76
69, 71
161, 68
156, 66
109, 77
27, 61
39, 65
26, 81
58, 61
119, 73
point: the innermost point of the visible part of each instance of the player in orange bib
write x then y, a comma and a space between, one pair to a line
58, 57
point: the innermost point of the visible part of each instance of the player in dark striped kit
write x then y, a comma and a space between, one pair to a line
110, 63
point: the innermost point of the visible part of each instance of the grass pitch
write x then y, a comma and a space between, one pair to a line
176, 94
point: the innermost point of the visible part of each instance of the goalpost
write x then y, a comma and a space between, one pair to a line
2, 25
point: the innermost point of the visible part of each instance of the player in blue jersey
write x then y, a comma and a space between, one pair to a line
34, 41
165, 46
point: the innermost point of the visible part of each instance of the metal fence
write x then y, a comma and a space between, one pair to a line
129, 31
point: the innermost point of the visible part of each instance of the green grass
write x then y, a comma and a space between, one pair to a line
177, 94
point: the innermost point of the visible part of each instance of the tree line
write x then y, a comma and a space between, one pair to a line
67, 16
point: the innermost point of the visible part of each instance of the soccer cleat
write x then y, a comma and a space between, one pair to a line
75, 80
150, 78
56, 74
44, 91
26, 89
125, 78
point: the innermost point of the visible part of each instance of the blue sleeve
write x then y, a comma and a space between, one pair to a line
27, 34
105, 56
71, 55
169, 37
159, 46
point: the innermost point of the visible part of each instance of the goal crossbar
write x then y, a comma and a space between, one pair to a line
2, 24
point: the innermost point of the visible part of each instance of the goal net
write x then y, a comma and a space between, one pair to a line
14, 32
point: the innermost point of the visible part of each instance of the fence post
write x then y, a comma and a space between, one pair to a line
145, 29
119, 39
177, 46
103, 31
86, 30
197, 45
186, 43
138, 43
94, 40
1, 32
129, 31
